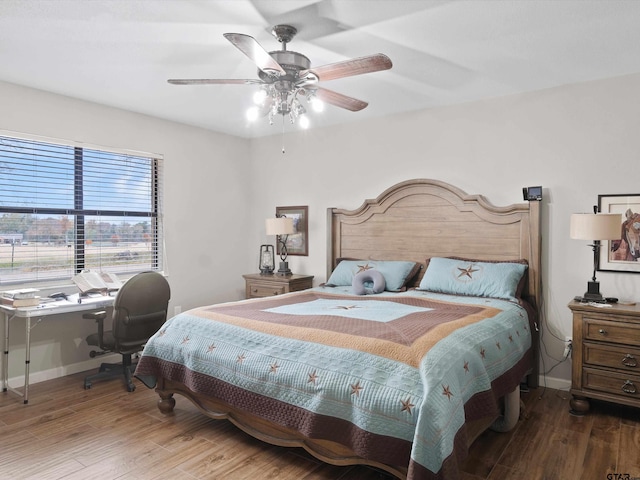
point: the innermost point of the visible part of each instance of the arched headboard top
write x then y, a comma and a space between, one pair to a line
423, 218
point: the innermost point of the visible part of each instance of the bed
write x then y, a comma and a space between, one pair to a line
402, 380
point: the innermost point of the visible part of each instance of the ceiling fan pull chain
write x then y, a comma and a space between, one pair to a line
283, 134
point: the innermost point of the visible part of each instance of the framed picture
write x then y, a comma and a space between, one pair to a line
298, 242
621, 255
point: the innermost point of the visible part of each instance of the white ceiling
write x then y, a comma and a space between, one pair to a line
121, 52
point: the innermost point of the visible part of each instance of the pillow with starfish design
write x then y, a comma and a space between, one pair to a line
397, 273
458, 276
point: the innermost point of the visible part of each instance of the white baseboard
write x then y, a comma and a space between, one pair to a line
63, 371
555, 383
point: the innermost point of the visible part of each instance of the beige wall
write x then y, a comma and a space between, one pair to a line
576, 141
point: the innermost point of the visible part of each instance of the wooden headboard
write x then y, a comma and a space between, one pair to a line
419, 219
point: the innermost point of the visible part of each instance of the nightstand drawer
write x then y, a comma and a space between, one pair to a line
618, 384
260, 290
620, 358
258, 285
613, 332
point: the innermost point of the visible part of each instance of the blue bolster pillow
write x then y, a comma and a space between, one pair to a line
365, 277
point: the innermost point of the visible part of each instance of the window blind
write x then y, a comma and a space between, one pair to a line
65, 208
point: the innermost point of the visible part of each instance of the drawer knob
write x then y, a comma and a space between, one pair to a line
629, 387
629, 361
602, 331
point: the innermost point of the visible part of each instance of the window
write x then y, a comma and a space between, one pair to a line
65, 208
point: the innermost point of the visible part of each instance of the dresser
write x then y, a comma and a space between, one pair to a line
606, 355
258, 285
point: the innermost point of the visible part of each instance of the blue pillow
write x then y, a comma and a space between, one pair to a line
395, 272
475, 278
368, 281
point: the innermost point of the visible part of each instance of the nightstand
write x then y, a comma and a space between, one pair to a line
258, 285
605, 355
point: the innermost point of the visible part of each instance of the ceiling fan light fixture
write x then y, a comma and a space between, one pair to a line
252, 113
316, 104
260, 96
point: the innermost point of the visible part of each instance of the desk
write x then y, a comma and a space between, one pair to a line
32, 316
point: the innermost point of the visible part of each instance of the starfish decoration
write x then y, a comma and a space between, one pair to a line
211, 348
498, 345
162, 332
346, 307
355, 389
185, 340
466, 272
511, 338
312, 377
407, 406
362, 268
447, 391
241, 358
273, 368
466, 366
482, 353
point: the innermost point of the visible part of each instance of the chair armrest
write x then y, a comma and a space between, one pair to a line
100, 315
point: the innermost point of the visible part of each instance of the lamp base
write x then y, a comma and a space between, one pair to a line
593, 293
284, 269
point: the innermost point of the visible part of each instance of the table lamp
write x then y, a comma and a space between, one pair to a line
595, 227
281, 227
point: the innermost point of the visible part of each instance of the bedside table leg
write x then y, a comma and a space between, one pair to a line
579, 405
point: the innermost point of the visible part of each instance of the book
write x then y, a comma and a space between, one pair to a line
20, 293
91, 281
20, 302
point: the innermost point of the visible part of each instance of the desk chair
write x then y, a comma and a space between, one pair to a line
139, 310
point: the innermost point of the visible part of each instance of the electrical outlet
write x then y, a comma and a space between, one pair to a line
568, 346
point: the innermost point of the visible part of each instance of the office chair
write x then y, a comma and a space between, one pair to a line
139, 310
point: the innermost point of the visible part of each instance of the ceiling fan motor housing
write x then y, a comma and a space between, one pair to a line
291, 62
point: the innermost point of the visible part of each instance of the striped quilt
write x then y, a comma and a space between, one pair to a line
393, 376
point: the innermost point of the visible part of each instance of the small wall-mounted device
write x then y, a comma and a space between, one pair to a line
532, 194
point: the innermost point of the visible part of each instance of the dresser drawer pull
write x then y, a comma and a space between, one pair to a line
602, 331
629, 361
629, 387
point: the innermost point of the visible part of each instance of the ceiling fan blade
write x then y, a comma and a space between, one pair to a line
213, 81
349, 68
339, 100
252, 49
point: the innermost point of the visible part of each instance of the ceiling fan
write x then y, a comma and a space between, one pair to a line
286, 76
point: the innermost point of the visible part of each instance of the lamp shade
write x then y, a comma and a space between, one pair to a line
596, 226
279, 226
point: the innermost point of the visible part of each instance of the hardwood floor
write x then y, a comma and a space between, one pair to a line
68, 433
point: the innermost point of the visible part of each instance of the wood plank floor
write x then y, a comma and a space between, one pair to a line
68, 433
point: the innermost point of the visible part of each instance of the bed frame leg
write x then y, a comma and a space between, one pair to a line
166, 402
511, 412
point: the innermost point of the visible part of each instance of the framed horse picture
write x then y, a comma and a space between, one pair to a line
621, 255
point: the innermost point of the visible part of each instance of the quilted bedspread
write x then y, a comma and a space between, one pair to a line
392, 376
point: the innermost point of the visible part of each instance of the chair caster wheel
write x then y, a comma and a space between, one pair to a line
87, 386
131, 388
